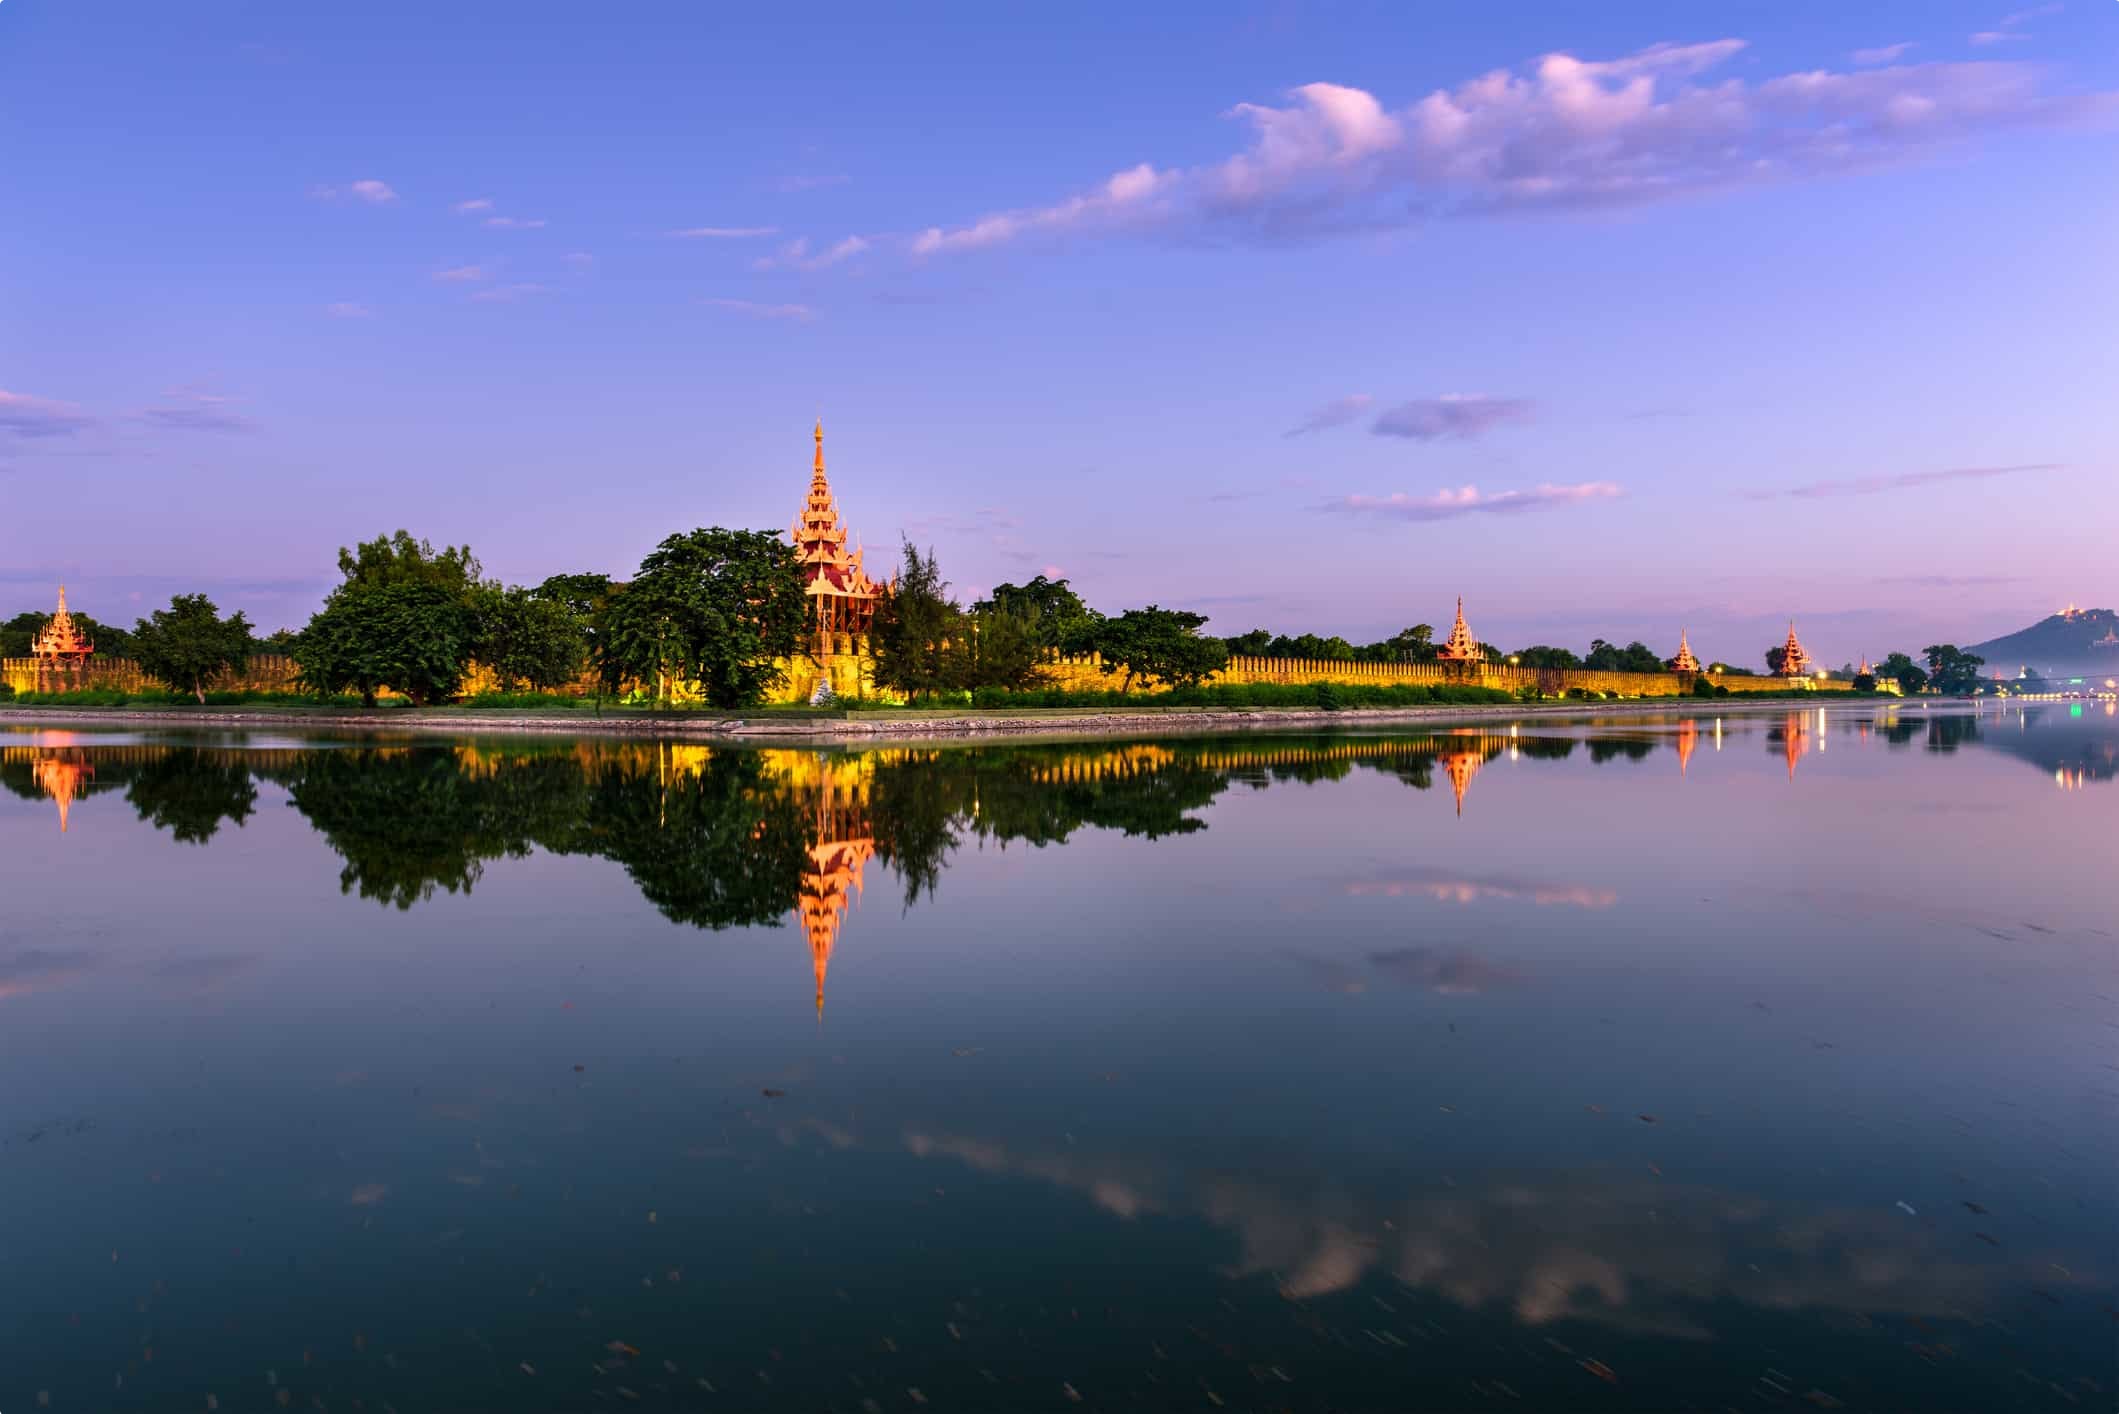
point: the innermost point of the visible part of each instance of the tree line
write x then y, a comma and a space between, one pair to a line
724, 609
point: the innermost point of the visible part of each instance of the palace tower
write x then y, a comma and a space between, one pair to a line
839, 589
1684, 662
1795, 663
1461, 647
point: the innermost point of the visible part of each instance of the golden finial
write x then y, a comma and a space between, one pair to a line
819, 463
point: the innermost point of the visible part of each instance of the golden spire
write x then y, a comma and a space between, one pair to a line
1795, 663
1684, 662
1461, 646
817, 467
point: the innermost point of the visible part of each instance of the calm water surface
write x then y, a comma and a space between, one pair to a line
1762, 1063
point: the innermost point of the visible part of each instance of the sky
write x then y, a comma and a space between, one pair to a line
1611, 319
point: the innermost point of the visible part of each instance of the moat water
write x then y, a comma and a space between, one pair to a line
1769, 1062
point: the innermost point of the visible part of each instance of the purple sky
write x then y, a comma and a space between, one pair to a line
1612, 320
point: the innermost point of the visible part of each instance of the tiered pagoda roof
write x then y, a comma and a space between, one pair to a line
1684, 662
1461, 647
61, 637
1795, 663
829, 569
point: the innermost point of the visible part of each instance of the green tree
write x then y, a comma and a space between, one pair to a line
1004, 649
524, 638
1952, 670
1909, 675
712, 606
1416, 644
189, 643
584, 597
1250, 645
1777, 660
1161, 646
918, 632
1059, 619
404, 616
1545, 656
416, 638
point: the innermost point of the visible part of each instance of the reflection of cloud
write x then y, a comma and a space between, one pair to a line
1458, 973
1447, 888
41, 970
204, 973
1654, 1258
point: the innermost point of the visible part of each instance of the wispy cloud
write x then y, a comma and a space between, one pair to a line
1453, 416
515, 223
725, 233
474, 205
22, 415
195, 410
1560, 133
1336, 413
1952, 581
1882, 54
461, 274
508, 294
348, 309
1470, 500
368, 189
1905, 481
757, 310
2010, 27
796, 254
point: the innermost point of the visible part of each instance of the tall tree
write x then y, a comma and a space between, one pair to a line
189, 643
404, 616
1058, 617
1159, 645
1909, 675
918, 634
584, 596
524, 638
1951, 669
712, 606
1003, 649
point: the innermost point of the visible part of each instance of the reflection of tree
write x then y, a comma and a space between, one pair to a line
189, 794
719, 847
406, 820
1602, 749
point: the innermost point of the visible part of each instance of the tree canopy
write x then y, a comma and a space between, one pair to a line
714, 606
1952, 670
1056, 614
189, 643
1159, 645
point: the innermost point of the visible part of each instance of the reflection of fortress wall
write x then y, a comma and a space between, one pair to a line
1084, 673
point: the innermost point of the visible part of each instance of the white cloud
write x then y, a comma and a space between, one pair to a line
725, 233
507, 294
475, 204
193, 409
1882, 54
461, 274
796, 254
1560, 133
514, 223
1470, 500
368, 189
799, 312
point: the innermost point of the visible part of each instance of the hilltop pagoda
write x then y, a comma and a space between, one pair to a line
839, 589
1795, 663
1684, 662
1461, 647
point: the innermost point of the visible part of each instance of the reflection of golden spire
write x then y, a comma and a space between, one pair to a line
828, 887
1792, 741
61, 779
1461, 765
1688, 738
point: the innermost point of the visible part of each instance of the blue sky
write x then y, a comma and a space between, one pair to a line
1312, 317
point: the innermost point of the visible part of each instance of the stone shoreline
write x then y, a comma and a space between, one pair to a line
892, 726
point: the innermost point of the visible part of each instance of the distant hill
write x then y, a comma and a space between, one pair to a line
2077, 644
